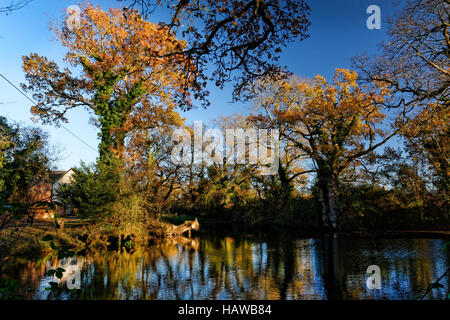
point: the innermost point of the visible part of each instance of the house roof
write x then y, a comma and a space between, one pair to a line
56, 175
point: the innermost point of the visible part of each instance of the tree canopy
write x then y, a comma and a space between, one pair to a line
122, 68
333, 124
232, 40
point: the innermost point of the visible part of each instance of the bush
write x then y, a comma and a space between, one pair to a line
93, 191
129, 218
9, 289
373, 207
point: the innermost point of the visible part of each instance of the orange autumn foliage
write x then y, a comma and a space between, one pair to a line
333, 124
120, 67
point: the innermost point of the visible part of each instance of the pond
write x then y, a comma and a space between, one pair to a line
249, 267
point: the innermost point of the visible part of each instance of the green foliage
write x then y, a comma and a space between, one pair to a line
178, 219
93, 190
129, 218
371, 206
59, 272
25, 160
62, 251
9, 289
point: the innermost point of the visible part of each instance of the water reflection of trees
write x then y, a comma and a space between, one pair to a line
224, 268
249, 268
407, 267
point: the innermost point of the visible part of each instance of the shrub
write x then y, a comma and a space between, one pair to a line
93, 191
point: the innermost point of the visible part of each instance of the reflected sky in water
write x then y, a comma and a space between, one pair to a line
267, 268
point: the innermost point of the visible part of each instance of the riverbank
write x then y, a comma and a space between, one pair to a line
226, 226
75, 233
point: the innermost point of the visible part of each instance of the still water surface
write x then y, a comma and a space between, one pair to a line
250, 267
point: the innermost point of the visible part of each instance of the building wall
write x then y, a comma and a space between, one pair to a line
40, 192
67, 178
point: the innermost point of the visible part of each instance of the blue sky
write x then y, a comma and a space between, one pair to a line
338, 32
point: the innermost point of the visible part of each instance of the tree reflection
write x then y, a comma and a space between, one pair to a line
253, 268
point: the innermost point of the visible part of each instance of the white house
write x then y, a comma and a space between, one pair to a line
58, 179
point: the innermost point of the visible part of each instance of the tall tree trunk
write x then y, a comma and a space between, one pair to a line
328, 195
333, 198
286, 184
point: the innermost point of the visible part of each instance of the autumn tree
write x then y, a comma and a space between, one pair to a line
120, 67
231, 39
333, 124
290, 174
427, 140
149, 162
227, 184
414, 62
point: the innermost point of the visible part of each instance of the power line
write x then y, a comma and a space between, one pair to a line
32, 101
50, 199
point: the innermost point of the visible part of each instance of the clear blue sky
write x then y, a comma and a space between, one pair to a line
338, 32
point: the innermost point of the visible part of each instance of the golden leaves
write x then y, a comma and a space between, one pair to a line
329, 122
125, 44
